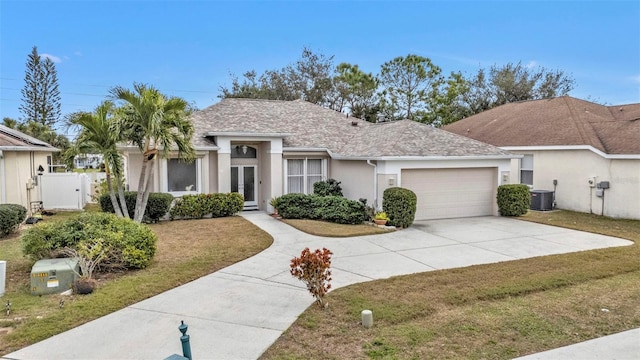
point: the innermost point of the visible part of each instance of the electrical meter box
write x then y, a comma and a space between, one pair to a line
51, 276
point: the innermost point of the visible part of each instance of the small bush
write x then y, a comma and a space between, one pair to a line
11, 215
400, 206
313, 268
329, 187
158, 204
335, 209
201, 205
131, 245
513, 199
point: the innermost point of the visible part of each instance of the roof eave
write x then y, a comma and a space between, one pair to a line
572, 147
430, 157
29, 148
246, 134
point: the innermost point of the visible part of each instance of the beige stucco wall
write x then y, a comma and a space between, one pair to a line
573, 168
356, 178
212, 175
134, 163
18, 169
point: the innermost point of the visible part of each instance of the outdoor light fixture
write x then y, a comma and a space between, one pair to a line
244, 149
40, 170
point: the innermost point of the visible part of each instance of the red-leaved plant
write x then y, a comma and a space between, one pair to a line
313, 269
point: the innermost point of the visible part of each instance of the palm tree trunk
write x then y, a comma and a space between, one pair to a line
138, 213
112, 194
147, 189
123, 201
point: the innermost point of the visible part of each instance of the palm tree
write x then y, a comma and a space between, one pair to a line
156, 124
98, 134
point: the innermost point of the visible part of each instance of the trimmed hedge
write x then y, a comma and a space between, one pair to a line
513, 199
400, 206
201, 205
335, 209
329, 187
11, 215
131, 245
158, 204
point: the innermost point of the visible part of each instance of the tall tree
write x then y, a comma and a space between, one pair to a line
309, 78
407, 82
99, 134
514, 82
158, 125
9, 122
40, 94
447, 104
356, 90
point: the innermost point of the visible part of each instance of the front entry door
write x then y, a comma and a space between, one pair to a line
243, 181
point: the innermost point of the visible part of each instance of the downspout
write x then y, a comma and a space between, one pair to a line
3, 180
375, 184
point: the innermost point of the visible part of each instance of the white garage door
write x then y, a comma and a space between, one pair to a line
452, 193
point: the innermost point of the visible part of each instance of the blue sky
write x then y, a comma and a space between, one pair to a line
188, 48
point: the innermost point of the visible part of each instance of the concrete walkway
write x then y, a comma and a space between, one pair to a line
239, 311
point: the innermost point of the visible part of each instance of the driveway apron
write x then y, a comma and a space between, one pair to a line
239, 311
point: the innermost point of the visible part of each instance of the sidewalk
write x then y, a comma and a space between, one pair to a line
239, 311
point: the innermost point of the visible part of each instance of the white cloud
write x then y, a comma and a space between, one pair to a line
531, 64
77, 53
635, 79
53, 58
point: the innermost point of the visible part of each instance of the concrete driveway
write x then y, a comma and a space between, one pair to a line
239, 311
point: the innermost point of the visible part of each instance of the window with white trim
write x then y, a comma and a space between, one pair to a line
302, 174
526, 170
182, 176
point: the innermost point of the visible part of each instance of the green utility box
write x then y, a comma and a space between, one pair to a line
51, 276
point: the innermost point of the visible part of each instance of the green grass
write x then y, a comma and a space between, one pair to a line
494, 311
182, 256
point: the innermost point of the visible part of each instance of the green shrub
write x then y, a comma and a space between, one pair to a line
158, 204
329, 187
335, 209
400, 206
513, 199
11, 215
132, 245
201, 205
296, 206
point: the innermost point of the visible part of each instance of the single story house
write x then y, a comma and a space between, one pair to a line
265, 148
22, 158
577, 145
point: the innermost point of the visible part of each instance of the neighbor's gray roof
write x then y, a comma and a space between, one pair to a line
309, 126
14, 140
559, 121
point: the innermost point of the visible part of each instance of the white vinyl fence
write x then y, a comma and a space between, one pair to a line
64, 191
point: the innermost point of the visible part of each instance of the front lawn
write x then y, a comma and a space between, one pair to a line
186, 250
495, 311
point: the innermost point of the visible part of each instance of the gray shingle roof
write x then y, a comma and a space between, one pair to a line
409, 138
559, 121
305, 125
11, 139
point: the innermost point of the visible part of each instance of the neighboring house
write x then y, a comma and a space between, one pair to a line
22, 158
87, 161
577, 143
264, 149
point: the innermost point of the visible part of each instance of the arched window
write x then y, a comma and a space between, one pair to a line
243, 152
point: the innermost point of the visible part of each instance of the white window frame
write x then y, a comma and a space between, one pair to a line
304, 175
522, 168
165, 179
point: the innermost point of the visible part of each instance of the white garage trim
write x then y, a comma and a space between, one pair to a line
452, 193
